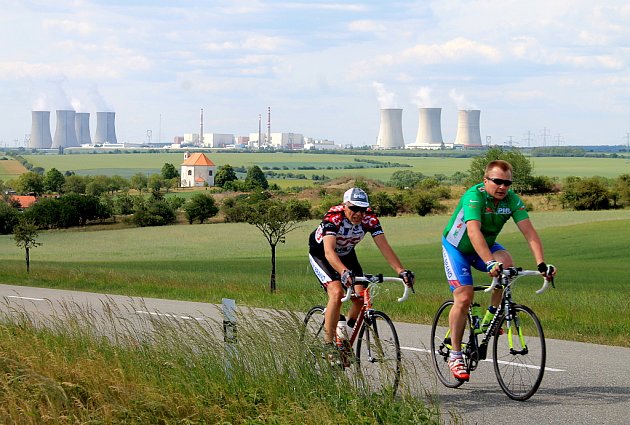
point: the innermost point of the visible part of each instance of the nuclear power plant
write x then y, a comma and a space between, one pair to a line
390, 134
429, 127
82, 128
105, 128
40, 130
65, 133
468, 133
72, 129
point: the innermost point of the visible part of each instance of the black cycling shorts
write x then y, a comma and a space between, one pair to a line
326, 273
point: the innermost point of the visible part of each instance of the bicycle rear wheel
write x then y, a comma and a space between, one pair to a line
441, 346
519, 354
313, 331
378, 353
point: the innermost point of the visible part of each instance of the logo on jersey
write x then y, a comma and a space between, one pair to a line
504, 210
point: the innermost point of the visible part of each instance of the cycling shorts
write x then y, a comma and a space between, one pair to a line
326, 273
457, 265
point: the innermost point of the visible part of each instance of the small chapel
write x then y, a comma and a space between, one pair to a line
197, 170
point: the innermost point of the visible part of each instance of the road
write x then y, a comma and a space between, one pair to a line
583, 383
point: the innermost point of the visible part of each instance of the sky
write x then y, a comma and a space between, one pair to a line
542, 73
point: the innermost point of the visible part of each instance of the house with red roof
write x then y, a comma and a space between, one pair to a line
197, 170
24, 200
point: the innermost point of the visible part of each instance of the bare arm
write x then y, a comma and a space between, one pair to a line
388, 253
531, 236
478, 241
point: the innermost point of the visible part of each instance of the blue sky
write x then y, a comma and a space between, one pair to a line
552, 72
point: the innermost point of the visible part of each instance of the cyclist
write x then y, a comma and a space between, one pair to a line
333, 257
469, 240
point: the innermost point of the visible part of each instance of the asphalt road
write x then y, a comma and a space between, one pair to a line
583, 383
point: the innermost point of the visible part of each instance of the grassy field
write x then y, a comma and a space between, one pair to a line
213, 261
10, 169
328, 164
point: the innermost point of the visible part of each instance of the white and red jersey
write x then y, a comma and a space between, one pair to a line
348, 235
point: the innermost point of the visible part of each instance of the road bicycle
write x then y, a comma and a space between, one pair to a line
376, 357
518, 349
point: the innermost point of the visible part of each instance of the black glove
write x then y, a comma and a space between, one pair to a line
347, 278
408, 277
546, 269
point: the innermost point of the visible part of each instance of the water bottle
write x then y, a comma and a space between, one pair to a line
342, 336
476, 317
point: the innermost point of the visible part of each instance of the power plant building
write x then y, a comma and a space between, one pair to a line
468, 133
40, 130
105, 128
390, 134
65, 132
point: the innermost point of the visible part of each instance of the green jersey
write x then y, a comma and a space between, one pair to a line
476, 204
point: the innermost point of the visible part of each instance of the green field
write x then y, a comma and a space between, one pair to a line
214, 261
330, 165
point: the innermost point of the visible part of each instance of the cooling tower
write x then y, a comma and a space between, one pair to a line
82, 128
105, 128
429, 127
468, 133
390, 135
65, 134
40, 130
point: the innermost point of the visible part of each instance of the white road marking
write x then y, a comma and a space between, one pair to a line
153, 313
548, 369
26, 298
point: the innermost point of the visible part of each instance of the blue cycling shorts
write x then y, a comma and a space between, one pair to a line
457, 265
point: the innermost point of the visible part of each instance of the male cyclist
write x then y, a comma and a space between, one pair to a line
469, 240
334, 260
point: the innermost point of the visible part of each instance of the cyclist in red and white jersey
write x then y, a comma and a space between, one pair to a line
333, 257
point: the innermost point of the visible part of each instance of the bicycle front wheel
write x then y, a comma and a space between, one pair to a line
378, 353
441, 346
519, 353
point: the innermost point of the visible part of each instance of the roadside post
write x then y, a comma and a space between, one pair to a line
229, 331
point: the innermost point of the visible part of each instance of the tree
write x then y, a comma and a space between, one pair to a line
256, 178
25, 236
169, 171
200, 207
225, 175
522, 168
139, 181
586, 194
155, 182
54, 180
30, 183
275, 219
9, 217
74, 184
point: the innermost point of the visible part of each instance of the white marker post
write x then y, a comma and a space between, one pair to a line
229, 330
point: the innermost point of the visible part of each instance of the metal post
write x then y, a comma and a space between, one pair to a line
229, 331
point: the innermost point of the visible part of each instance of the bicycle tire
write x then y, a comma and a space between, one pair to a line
439, 350
378, 353
519, 370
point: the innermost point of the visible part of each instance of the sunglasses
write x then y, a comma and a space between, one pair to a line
499, 182
355, 208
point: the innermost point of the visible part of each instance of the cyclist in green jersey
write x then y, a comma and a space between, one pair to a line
469, 240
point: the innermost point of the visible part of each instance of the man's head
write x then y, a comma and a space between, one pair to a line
498, 178
356, 203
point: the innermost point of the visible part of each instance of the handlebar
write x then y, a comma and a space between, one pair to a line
514, 272
379, 278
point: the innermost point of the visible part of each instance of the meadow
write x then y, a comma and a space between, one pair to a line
331, 165
230, 260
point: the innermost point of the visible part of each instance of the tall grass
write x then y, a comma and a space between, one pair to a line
84, 365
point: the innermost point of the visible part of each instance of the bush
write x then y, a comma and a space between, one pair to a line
200, 207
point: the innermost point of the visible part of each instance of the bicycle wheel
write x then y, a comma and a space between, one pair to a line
441, 346
519, 354
313, 331
378, 353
